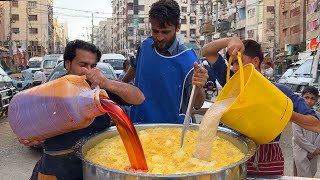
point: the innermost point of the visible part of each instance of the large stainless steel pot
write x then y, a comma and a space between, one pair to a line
238, 170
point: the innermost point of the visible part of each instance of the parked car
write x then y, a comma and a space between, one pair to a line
60, 71
49, 62
34, 64
115, 60
7, 91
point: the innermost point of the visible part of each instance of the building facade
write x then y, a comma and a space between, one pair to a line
31, 23
131, 23
292, 26
60, 36
312, 24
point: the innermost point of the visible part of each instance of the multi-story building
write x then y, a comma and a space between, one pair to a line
95, 36
312, 24
292, 26
105, 36
32, 23
108, 36
122, 20
65, 33
57, 37
131, 23
60, 36
240, 20
2, 25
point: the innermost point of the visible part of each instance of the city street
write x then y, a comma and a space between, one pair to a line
17, 161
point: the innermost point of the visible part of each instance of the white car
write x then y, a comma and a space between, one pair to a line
115, 60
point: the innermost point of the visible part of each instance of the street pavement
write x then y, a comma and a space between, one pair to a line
17, 161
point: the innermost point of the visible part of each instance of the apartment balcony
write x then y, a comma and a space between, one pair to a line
240, 24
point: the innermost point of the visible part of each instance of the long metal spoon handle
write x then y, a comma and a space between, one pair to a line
187, 117
188, 113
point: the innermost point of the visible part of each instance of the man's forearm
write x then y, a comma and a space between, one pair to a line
129, 93
211, 50
130, 75
308, 122
200, 97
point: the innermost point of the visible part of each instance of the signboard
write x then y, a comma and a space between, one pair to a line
313, 44
135, 21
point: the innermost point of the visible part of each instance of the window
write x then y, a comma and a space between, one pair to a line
141, 32
183, 32
192, 20
270, 9
141, 7
15, 17
295, 12
15, 30
192, 8
285, 14
141, 20
184, 21
33, 30
15, 3
251, 12
250, 33
33, 43
130, 18
285, 32
184, 9
33, 17
192, 32
130, 6
32, 4
295, 29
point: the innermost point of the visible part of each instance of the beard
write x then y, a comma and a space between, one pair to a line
163, 45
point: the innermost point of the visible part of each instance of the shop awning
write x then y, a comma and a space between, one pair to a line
192, 46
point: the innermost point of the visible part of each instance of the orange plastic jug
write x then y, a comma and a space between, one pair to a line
54, 108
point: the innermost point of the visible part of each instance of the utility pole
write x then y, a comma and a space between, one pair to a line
27, 47
10, 31
92, 28
274, 31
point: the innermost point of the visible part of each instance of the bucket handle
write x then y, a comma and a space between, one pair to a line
240, 69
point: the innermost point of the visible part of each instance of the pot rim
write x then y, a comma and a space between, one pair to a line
250, 144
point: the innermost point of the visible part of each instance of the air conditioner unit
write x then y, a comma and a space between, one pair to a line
286, 47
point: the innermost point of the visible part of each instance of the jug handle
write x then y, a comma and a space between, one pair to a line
240, 69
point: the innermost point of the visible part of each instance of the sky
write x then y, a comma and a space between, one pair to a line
79, 23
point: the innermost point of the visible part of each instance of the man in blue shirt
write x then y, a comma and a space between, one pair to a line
269, 159
165, 70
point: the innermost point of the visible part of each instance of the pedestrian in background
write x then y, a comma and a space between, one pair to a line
40, 76
126, 65
305, 143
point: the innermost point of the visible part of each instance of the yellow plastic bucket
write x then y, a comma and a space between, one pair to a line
260, 111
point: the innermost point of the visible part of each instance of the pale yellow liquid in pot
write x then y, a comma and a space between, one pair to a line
160, 147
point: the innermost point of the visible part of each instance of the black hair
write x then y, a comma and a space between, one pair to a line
165, 11
311, 90
72, 46
125, 63
252, 49
27, 67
